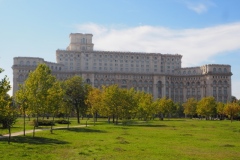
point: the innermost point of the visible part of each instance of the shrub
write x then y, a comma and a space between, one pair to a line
63, 121
43, 122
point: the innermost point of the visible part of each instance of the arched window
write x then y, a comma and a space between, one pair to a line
220, 82
21, 62
159, 84
124, 81
95, 81
198, 83
189, 72
214, 69
88, 81
34, 63
167, 84
150, 83
225, 70
145, 82
134, 82
101, 81
27, 63
181, 84
225, 82
20, 77
214, 82
219, 69
176, 84
112, 82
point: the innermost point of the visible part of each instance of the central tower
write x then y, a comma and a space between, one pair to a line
80, 42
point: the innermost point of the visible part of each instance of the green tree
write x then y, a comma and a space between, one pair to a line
76, 92
36, 88
190, 107
111, 102
232, 109
8, 112
165, 106
21, 100
145, 105
206, 107
220, 109
93, 101
54, 100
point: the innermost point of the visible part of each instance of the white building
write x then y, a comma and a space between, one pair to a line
155, 73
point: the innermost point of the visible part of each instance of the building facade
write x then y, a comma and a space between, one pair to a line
155, 73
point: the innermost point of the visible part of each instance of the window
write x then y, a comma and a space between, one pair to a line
225, 70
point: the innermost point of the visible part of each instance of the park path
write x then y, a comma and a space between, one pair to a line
38, 130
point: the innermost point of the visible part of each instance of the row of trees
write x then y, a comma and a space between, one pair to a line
209, 108
42, 94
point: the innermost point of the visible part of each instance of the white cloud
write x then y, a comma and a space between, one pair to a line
200, 6
196, 45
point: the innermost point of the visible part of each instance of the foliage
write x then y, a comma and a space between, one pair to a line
76, 92
232, 109
190, 106
206, 107
8, 112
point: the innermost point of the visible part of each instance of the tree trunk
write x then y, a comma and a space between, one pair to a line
52, 125
109, 119
96, 116
68, 121
113, 121
9, 134
24, 122
78, 115
94, 119
34, 131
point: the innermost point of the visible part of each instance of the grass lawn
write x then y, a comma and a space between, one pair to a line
169, 139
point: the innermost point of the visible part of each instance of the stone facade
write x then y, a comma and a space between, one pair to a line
155, 73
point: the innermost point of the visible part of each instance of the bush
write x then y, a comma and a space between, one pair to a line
43, 122
63, 121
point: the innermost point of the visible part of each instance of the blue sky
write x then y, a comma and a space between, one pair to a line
203, 31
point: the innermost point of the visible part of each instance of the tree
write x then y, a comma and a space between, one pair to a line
232, 109
111, 102
36, 88
220, 109
206, 107
8, 112
21, 99
190, 107
145, 105
54, 100
165, 106
93, 101
179, 110
76, 92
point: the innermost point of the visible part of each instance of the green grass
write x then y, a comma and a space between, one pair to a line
169, 139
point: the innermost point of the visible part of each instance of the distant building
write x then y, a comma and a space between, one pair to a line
155, 73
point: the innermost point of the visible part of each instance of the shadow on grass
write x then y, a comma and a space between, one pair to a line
81, 130
147, 125
35, 140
